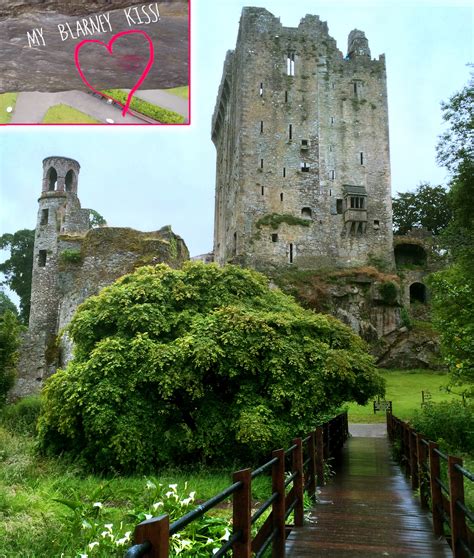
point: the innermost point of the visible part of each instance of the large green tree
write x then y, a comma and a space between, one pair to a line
10, 330
427, 206
17, 269
203, 363
453, 289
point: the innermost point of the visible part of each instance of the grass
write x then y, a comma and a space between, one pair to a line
64, 114
404, 390
164, 116
182, 91
7, 100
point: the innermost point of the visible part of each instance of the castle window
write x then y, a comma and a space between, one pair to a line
263, 190
44, 216
235, 244
357, 202
376, 224
290, 132
52, 179
261, 90
332, 175
291, 253
304, 144
306, 213
339, 206
42, 258
261, 126
331, 148
261, 163
69, 181
355, 87
281, 196
286, 96
332, 120
274, 237
284, 172
304, 167
361, 157
290, 64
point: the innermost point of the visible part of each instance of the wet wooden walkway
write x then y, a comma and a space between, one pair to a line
367, 509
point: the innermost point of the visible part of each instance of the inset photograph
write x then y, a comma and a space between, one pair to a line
119, 62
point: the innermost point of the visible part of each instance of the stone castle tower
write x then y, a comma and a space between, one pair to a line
303, 167
71, 262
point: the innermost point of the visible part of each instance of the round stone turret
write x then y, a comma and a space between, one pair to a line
60, 174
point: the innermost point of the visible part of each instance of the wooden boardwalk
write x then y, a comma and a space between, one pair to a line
367, 509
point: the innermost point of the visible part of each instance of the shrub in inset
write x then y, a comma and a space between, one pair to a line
199, 364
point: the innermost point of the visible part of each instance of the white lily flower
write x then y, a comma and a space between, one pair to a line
97, 505
92, 544
150, 485
173, 486
156, 505
148, 516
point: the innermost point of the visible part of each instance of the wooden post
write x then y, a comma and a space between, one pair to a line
421, 452
278, 506
157, 532
312, 465
456, 494
413, 459
241, 514
319, 456
298, 482
436, 494
406, 448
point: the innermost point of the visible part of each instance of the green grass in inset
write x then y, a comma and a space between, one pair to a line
404, 390
7, 100
164, 116
182, 91
64, 114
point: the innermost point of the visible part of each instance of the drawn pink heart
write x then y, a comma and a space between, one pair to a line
109, 48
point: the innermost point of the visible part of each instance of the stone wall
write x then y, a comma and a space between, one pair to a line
298, 128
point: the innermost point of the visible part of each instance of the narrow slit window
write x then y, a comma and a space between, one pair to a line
281, 196
332, 120
291, 253
304, 167
274, 237
44, 216
286, 96
263, 190
339, 206
42, 256
235, 244
290, 64
361, 157
332, 175
261, 90
290, 132
331, 148
261, 163
261, 126
355, 88
284, 172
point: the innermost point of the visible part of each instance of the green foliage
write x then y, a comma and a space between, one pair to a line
389, 292
428, 206
153, 111
450, 423
70, 256
10, 329
221, 366
7, 304
17, 269
405, 316
452, 299
96, 219
274, 220
21, 417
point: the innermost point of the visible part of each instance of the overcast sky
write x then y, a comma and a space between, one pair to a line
149, 177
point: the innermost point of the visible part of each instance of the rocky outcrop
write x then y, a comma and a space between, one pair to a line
410, 348
45, 61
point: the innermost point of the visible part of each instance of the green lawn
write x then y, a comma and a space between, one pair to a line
64, 114
7, 100
182, 91
404, 390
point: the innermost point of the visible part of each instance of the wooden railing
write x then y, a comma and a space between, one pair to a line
306, 459
426, 466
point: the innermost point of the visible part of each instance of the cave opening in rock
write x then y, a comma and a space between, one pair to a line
410, 254
418, 293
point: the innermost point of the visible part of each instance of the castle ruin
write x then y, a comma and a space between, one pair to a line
301, 132
72, 261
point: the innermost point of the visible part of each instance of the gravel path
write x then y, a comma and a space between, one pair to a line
368, 430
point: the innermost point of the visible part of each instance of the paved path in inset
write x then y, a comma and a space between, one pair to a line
368, 509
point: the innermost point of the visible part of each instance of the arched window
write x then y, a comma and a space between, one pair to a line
52, 179
417, 293
306, 213
70, 181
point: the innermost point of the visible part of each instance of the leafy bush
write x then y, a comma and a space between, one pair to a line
10, 330
70, 256
450, 423
406, 319
199, 364
389, 292
153, 111
22, 417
